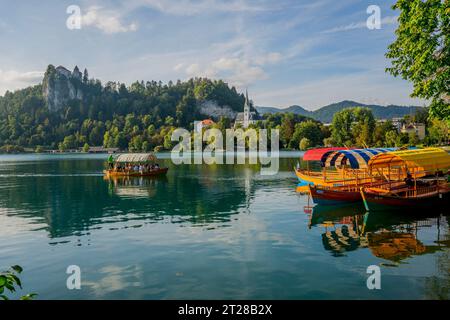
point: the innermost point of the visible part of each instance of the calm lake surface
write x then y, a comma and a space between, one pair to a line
206, 232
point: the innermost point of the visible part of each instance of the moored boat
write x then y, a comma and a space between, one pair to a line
327, 196
421, 197
134, 165
343, 195
425, 185
340, 167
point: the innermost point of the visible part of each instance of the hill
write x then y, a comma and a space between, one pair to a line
69, 110
325, 114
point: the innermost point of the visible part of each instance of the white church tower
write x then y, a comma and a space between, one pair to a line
246, 121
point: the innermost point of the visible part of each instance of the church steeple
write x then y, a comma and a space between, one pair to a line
246, 111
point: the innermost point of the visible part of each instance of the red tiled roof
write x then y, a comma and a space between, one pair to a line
207, 122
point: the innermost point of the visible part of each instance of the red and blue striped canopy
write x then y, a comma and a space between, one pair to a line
317, 153
356, 158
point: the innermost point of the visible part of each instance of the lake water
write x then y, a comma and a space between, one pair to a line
206, 232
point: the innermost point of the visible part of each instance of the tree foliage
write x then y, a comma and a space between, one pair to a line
421, 52
112, 114
9, 281
353, 127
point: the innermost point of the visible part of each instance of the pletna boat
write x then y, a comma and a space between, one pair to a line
134, 165
331, 196
340, 167
308, 176
425, 186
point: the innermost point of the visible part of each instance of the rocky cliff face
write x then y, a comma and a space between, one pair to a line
212, 109
60, 86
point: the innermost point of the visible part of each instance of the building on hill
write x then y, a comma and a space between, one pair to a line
246, 118
416, 128
63, 71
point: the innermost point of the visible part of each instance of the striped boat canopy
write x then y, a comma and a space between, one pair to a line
317, 153
356, 158
136, 158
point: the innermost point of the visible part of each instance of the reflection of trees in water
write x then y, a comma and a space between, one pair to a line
390, 236
73, 203
438, 287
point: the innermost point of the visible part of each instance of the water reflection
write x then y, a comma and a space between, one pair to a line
71, 197
390, 236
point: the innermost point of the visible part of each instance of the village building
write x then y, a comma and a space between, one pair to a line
417, 128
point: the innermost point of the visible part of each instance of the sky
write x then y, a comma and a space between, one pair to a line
285, 52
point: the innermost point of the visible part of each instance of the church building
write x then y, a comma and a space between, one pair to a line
246, 118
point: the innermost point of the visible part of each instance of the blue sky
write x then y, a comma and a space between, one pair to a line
286, 52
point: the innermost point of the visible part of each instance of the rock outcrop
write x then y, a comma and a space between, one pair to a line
61, 86
213, 110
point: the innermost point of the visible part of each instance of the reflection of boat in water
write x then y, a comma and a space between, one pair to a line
396, 246
134, 165
387, 236
134, 187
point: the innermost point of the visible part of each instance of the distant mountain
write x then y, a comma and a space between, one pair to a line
325, 114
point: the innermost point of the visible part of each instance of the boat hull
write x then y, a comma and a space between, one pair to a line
152, 173
335, 179
330, 197
374, 201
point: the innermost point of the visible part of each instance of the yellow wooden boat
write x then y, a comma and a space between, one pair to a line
134, 165
341, 167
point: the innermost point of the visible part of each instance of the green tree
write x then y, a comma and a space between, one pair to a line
413, 139
380, 134
342, 127
391, 138
145, 146
305, 143
120, 141
39, 149
135, 144
329, 142
438, 132
287, 129
85, 76
86, 147
363, 127
169, 121
421, 52
307, 129
68, 143
353, 126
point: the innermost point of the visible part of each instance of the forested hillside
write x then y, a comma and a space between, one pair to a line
70, 110
325, 113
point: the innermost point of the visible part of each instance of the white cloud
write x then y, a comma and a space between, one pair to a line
269, 58
389, 20
178, 67
11, 80
108, 21
238, 72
